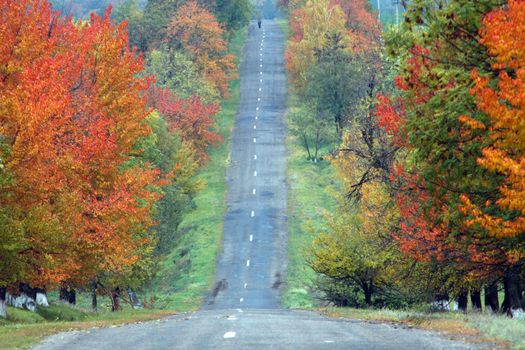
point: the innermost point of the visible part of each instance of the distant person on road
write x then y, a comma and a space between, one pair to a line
259, 23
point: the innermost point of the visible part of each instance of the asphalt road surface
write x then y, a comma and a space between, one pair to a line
242, 312
251, 265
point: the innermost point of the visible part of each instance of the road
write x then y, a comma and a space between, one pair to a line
243, 310
252, 263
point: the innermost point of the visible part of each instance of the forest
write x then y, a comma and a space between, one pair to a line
423, 123
105, 118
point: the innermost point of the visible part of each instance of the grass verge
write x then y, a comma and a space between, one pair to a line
499, 331
310, 187
188, 272
24, 329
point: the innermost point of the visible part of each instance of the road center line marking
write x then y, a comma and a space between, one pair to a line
257, 108
241, 300
256, 117
255, 173
260, 73
255, 156
255, 127
229, 335
254, 191
248, 263
251, 238
253, 213
254, 140
232, 318
245, 285
239, 310
261, 80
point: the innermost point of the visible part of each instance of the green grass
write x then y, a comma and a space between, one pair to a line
188, 272
474, 327
310, 197
23, 328
285, 28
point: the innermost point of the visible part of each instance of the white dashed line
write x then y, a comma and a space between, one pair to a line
241, 300
251, 238
256, 117
253, 213
261, 80
245, 285
254, 140
255, 156
232, 318
260, 66
255, 127
247, 263
258, 99
229, 335
257, 108
260, 89
255, 173
239, 310
260, 73
254, 191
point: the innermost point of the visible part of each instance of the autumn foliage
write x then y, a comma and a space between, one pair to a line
191, 118
503, 35
71, 114
197, 31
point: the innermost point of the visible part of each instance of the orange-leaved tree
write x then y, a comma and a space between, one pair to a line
71, 114
504, 36
197, 31
191, 118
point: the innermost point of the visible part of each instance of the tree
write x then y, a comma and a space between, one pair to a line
501, 99
195, 30
438, 48
233, 14
71, 115
313, 130
505, 109
173, 70
191, 118
310, 27
335, 83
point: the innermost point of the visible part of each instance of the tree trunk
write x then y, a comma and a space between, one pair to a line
511, 284
463, 301
368, 289
3, 308
491, 297
94, 303
316, 146
68, 295
135, 302
442, 302
115, 304
41, 297
475, 298
306, 146
27, 297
